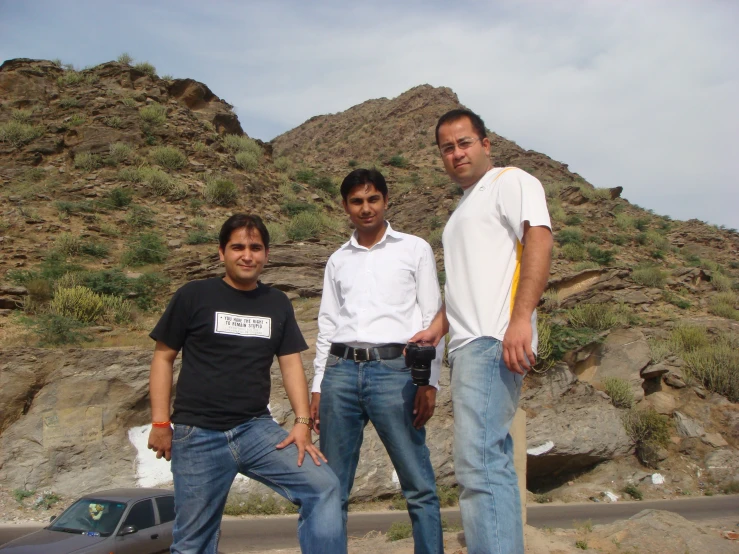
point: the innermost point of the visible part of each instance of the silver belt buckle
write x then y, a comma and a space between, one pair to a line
356, 361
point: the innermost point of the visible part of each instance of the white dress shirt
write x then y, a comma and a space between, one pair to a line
378, 295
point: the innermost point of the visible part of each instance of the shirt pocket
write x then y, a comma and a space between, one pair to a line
396, 285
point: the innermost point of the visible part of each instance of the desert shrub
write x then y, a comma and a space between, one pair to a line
722, 304
255, 504
69, 102
146, 248
574, 252
153, 114
399, 530
305, 225
675, 300
304, 175
111, 282
556, 211
66, 208
598, 317
76, 120
545, 357
687, 338
448, 496
93, 249
21, 116
168, 156
641, 223
659, 349
353, 163
78, 303
620, 392
220, 192
68, 244
140, 216
149, 289
398, 161
56, 330
246, 160
618, 240
167, 77
603, 257
569, 236
587, 264
17, 133
131, 174
647, 427
326, 184
125, 58
649, 276
146, 67
119, 197
156, 180
87, 161
239, 143
716, 366
129, 102
69, 78
295, 207
201, 236
114, 121
120, 152
721, 282
633, 491
116, 309
277, 233
573, 220
199, 147
282, 163
434, 238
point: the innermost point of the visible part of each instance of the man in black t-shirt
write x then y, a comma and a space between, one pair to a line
229, 331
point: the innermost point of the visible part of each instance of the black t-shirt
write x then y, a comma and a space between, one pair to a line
228, 339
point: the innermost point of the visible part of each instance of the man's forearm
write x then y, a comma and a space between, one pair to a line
160, 388
296, 387
535, 263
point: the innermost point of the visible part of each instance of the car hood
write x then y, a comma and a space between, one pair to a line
49, 542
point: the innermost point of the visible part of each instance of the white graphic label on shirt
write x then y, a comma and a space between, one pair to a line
243, 325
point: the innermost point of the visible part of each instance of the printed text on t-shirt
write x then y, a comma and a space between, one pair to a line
243, 325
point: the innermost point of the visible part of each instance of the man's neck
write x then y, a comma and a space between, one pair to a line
368, 240
251, 285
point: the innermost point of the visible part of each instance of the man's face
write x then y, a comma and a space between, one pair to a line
366, 208
244, 258
465, 166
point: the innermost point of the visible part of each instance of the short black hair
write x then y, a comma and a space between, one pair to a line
363, 177
453, 115
242, 221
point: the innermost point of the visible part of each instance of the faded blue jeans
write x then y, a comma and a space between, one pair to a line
485, 397
205, 463
353, 393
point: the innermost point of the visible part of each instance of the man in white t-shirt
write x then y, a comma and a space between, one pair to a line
497, 252
379, 288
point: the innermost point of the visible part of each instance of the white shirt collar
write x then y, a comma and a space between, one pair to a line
389, 232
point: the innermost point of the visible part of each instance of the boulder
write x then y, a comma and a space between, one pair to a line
686, 426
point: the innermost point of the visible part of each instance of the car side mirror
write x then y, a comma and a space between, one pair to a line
128, 530
52, 518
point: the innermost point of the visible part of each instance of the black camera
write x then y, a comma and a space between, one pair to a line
419, 358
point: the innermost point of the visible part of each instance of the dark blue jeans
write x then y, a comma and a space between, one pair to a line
205, 463
353, 393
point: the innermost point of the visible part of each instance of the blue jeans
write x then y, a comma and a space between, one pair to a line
353, 393
205, 463
485, 397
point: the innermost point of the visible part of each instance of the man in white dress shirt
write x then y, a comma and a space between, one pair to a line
379, 289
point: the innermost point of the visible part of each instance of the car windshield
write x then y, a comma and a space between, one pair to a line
90, 516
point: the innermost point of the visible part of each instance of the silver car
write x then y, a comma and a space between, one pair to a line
119, 521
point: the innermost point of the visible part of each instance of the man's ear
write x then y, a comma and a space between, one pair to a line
346, 206
486, 145
220, 254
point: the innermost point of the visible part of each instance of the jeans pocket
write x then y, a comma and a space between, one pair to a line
396, 364
182, 432
332, 360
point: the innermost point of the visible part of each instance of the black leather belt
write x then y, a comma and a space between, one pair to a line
382, 352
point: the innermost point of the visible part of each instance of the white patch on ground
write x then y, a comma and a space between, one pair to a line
542, 449
396, 481
150, 471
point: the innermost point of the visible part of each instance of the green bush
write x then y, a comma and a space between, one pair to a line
303, 226
140, 216
649, 276
200, 236
294, 207
240, 143
111, 282
647, 427
721, 282
327, 185
69, 78
125, 58
18, 134
168, 156
399, 530
573, 220
688, 338
153, 114
120, 152
68, 244
78, 303
146, 248
716, 366
94, 249
574, 252
603, 257
77, 119
116, 309
146, 67
129, 102
620, 392
599, 317
277, 232
569, 236
675, 300
434, 238
398, 161
282, 163
220, 192
722, 304
21, 494
87, 161
67, 208
119, 197
306, 176
246, 160
56, 330
69, 102
633, 491
149, 289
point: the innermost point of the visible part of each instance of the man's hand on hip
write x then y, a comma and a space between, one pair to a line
517, 353
301, 436
424, 405
315, 412
160, 441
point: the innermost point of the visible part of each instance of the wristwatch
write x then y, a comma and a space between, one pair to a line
306, 420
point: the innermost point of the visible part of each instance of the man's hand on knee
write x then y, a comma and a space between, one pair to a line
517, 353
424, 405
301, 436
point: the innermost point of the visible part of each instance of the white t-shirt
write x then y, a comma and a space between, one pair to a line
482, 253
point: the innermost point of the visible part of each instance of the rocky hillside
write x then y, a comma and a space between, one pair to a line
113, 182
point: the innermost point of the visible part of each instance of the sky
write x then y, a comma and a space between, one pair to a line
637, 93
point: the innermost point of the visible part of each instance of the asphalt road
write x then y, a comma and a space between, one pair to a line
240, 535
